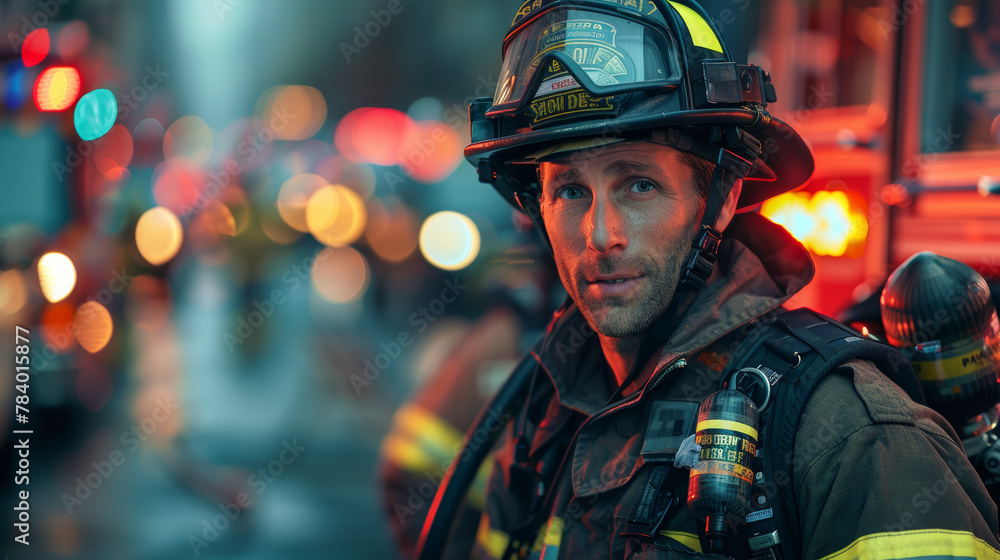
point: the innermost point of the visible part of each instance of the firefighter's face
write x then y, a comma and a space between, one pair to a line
620, 220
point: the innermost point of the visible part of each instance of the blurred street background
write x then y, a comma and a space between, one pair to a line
241, 233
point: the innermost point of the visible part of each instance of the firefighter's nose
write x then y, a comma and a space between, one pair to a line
604, 227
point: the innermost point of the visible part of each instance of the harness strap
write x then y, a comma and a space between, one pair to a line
795, 352
659, 500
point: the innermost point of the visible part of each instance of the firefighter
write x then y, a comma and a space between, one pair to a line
427, 430
940, 313
639, 148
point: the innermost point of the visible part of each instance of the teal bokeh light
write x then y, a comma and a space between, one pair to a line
95, 114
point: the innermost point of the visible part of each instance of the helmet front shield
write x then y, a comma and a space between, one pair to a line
569, 62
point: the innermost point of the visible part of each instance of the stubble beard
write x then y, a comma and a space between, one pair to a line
617, 317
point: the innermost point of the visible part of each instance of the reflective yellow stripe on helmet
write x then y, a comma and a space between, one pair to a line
701, 32
914, 545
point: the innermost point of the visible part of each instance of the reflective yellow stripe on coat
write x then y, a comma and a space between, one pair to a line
915, 545
421, 442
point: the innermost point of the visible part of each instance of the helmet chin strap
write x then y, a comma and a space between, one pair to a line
697, 268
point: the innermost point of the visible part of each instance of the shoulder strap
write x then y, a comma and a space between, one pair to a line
795, 352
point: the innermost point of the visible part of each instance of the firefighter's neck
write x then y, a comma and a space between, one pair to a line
621, 353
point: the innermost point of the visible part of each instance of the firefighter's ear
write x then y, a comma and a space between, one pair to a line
729, 207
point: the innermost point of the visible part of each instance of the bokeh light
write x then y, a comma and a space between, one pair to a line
336, 216
74, 37
57, 326
219, 218
13, 90
35, 47
93, 387
113, 154
95, 114
825, 222
56, 275
188, 141
178, 188
158, 235
93, 326
374, 135
338, 170
449, 240
13, 292
295, 112
392, 230
210, 224
340, 274
293, 198
56, 88
149, 302
151, 405
431, 153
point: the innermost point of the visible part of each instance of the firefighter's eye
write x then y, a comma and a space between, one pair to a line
570, 193
643, 186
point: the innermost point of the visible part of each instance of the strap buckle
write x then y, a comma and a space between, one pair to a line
701, 260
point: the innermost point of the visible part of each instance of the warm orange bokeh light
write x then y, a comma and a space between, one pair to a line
294, 112
57, 88
13, 292
293, 198
340, 274
93, 326
57, 326
336, 216
824, 221
158, 235
432, 153
56, 275
392, 230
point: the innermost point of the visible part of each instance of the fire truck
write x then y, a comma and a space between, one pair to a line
900, 102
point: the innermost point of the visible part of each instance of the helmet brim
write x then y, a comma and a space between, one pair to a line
786, 162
